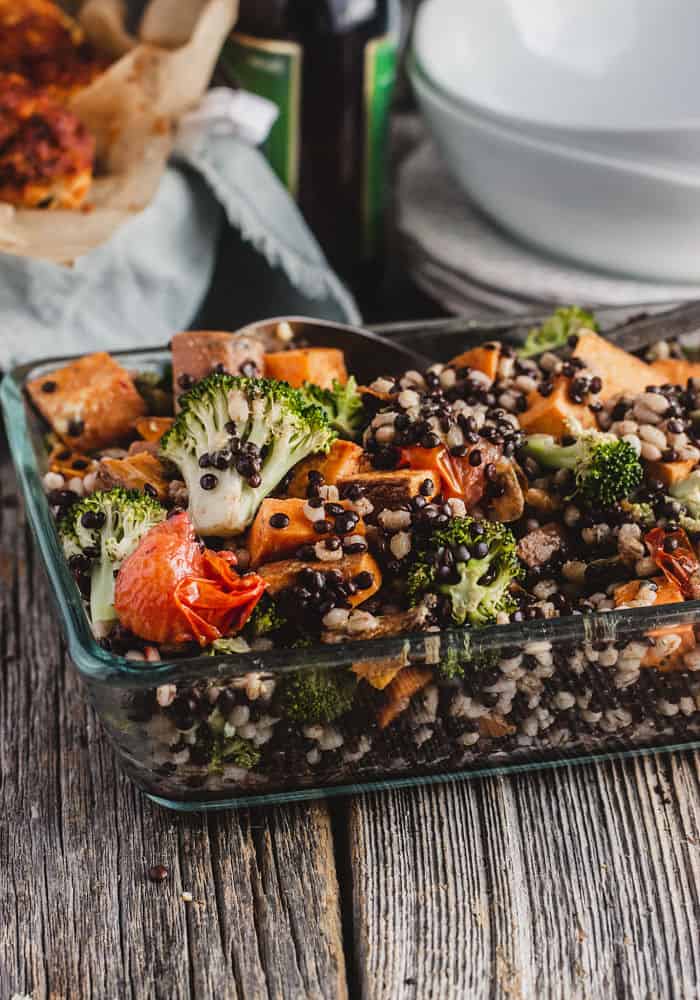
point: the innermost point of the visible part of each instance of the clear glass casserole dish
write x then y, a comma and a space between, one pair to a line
505, 698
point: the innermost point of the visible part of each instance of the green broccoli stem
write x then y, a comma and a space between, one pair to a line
102, 590
550, 455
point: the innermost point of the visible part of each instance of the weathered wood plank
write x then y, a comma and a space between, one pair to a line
78, 916
580, 883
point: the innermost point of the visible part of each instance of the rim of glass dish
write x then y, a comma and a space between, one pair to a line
520, 120
98, 664
514, 129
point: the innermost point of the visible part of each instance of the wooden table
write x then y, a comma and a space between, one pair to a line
577, 883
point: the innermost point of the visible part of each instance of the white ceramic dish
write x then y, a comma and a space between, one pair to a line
601, 66
601, 211
666, 147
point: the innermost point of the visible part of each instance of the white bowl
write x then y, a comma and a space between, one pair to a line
625, 65
671, 147
597, 210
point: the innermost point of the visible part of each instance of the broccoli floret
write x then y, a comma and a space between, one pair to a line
482, 565
97, 535
451, 666
458, 663
266, 618
317, 695
606, 468
234, 440
236, 751
688, 493
556, 330
343, 406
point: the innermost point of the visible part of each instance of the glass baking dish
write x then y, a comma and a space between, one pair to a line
503, 699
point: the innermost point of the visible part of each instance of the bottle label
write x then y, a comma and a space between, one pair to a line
272, 69
381, 56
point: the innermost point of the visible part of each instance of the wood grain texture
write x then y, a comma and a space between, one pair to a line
581, 883
78, 916
578, 883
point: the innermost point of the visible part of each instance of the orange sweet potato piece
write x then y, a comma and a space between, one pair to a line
70, 464
153, 428
265, 542
141, 447
551, 414
320, 365
399, 693
675, 371
280, 575
484, 358
343, 459
621, 372
379, 673
666, 593
134, 472
390, 490
495, 726
90, 403
655, 657
671, 472
197, 353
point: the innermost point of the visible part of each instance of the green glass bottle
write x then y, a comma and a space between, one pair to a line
330, 66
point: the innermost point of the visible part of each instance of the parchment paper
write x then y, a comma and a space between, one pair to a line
132, 110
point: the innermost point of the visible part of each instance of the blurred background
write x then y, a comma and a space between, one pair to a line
452, 156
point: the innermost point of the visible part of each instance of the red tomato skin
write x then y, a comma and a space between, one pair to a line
457, 476
145, 586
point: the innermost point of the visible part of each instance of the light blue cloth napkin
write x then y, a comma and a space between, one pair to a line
219, 210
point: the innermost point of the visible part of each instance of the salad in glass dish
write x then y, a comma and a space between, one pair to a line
253, 499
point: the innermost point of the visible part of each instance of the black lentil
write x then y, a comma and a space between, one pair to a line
279, 520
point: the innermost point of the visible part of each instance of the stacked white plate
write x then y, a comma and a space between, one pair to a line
463, 260
574, 125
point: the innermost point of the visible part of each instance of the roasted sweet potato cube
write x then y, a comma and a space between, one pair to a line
676, 371
495, 726
144, 448
380, 672
153, 428
90, 403
404, 686
484, 358
671, 473
283, 574
619, 370
343, 459
134, 472
319, 365
197, 353
70, 464
552, 414
281, 527
682, 636
389, 490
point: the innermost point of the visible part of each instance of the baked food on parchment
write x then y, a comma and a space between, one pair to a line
46, 153
40, 42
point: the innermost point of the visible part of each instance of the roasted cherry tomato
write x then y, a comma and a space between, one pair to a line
675, 556
171, 590
463, 476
